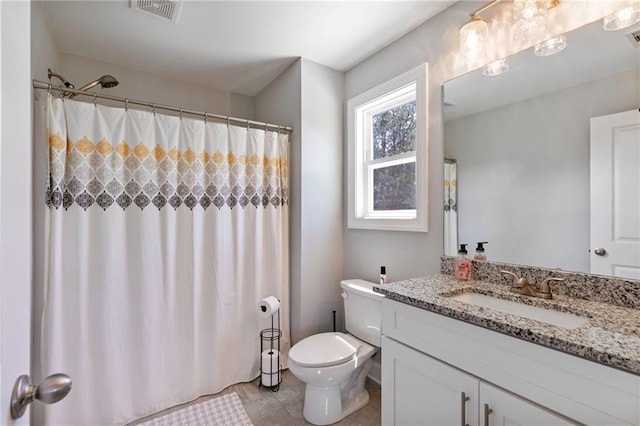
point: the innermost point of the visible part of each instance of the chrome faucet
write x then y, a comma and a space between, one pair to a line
522, 286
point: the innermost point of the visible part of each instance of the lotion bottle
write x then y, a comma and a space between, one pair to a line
480, 256
383, 275
462, 265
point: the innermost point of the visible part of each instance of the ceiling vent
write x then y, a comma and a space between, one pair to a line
166, 9
634, 38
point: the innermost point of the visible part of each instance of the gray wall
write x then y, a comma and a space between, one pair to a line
523, 172
308, 96
409, 254
151, 87
280, 102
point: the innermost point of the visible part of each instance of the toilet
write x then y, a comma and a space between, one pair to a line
334, 366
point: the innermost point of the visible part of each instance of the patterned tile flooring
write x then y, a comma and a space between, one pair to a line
284, 408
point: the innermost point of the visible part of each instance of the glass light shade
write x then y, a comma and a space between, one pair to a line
473, 37
551, 46
496, 68
622, 18
530, 18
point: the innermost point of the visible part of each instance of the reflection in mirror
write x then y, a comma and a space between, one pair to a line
521, 141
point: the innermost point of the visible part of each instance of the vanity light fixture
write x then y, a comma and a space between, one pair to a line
551, 46
496, 68
623, 18
473, 36
530, 17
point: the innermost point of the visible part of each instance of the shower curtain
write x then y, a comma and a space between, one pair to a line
450, 208
162, 236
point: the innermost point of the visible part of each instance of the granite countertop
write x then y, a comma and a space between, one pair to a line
611, 337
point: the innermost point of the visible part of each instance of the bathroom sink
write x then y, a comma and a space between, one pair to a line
549, 316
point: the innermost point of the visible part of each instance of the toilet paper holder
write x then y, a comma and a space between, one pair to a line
270, 366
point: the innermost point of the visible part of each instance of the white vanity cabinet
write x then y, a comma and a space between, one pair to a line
420, 390
499, 407
432, 363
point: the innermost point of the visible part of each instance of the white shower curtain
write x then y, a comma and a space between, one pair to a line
450, 208
163, 234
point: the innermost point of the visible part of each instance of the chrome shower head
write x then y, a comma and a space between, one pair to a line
106, 82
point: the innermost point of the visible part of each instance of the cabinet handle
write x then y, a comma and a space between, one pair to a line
487, 411
463, 409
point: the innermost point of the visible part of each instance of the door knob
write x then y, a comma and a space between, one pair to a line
52, 389
600, 251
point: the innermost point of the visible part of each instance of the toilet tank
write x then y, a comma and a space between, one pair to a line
362, 310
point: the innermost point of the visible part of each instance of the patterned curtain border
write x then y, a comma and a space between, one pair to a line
103, 174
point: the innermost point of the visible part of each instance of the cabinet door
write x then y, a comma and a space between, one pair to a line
508, 409
419, 390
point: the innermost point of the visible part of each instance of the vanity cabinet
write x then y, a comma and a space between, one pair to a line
432, 363
420, 390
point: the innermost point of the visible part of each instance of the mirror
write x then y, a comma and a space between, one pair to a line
521, 144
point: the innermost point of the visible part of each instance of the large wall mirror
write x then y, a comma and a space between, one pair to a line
521, 146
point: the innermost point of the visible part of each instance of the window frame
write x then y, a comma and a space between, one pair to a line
360, 162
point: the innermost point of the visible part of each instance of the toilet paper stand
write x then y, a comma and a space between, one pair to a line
270, 367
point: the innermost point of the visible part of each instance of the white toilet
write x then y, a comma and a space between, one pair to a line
334, 366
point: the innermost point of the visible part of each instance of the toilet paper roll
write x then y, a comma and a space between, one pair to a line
270, 368
269, 306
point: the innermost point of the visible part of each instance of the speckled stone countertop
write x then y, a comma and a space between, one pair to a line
611, 337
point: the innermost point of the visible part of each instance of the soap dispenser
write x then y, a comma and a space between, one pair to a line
480, 256
462, 265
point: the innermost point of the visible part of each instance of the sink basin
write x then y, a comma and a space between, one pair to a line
557, 318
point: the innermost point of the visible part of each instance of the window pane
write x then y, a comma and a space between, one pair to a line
394, 187
394, 130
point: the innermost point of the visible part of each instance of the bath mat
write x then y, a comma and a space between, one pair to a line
224, 410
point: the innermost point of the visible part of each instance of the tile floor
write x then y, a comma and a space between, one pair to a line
284, 408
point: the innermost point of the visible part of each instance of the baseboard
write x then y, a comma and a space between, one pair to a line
375, 373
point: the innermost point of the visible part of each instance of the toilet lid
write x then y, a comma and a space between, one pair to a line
323, 350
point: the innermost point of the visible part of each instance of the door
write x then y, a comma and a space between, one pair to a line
15, 199
502, 408
615, 194
419, 390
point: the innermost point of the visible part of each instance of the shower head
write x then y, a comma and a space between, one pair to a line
106, 82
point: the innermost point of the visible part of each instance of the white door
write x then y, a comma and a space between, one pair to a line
503, 408
15, 199
419, 390
615, 194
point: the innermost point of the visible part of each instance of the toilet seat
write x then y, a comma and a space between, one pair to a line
324, 350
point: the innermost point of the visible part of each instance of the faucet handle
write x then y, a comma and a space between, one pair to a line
515, 277
545, 288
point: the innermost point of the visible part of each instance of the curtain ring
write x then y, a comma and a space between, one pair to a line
228, 121
266, 127
153, 109
205, 117
49, 88
126, 104
180, 113
95, 101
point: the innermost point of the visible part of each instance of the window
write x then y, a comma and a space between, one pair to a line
387, 137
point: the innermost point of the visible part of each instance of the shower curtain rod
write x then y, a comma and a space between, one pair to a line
37, 84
